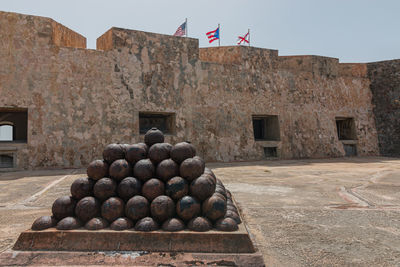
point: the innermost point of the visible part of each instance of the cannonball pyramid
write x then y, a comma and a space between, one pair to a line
145, 187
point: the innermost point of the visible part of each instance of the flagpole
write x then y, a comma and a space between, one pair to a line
186, 28
249, 36
219, 37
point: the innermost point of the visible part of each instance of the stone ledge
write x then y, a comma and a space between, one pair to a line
130, 240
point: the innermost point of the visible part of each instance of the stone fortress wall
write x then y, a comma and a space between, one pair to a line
76, 100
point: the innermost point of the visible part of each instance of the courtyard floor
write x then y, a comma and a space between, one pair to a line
338, 212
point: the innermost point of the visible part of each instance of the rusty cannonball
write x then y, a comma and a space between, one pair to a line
158, 152
214, 207
120, 169
200, 224
146, 224
167, 169
202, 187
144, 170
87, 208
129, 187
112, 208
96, 224
146, 147
97, 169
210, 173
226, 224
63, 207
220, 195
188, 207
68, 223
182, 151
234, 215
221, 192
176, 188
153, 188
192, 168
134, 153
162, 208
104, 188
137, 208
43, 223
173, 225
82, 187
121, 224
112, 152
153, 136
232, 208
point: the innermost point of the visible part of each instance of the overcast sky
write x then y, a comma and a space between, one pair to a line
351, 30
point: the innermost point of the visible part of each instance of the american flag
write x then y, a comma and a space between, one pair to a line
181, 31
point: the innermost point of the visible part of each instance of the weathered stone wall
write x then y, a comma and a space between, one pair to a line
78, 100
385, 87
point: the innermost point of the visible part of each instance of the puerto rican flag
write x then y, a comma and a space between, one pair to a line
213, 35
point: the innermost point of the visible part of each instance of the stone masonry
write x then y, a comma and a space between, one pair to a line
77, 99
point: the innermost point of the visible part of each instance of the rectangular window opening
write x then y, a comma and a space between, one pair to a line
165, 122
7, 161
346, 128
13, 125
266, 128
270, 152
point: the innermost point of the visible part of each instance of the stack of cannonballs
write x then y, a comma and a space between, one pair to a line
145, 187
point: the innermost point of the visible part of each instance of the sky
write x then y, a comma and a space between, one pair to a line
351, 30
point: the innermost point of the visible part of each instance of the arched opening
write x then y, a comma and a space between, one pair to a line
6, 131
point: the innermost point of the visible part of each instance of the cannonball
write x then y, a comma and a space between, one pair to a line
162, 208
214, 207
63, 207
219, 195
97, 169
228, 193
113, 152
210, 173
202, 187
187, 208
120, 169
192, 168
173, 225
82, 187
146, 147
96, 224
44, 222
200, 224
167, 169
68, 223
226, 224
153, 136
182, 151
87, 208
234, 215
129, 187
158, 152
137, 208
176, 188
146, 224
152, 189
232, 208
144, 169
112, 208
134, 153
104, 188
121, 224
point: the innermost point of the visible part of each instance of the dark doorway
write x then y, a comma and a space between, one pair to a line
6, 161
346, 129
266, 128
165, 122
270, 152
13, 125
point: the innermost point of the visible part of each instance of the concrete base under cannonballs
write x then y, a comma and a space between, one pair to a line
104, 247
